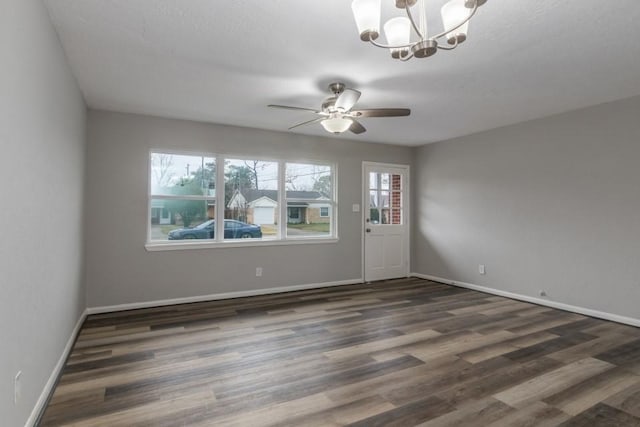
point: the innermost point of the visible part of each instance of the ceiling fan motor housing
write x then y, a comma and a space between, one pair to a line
337, 88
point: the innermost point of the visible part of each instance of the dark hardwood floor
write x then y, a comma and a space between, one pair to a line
404, 352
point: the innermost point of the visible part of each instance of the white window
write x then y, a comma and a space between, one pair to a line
309, 189
259, 200
182, 197
251, 199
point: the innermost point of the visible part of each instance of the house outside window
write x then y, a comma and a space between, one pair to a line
324, 211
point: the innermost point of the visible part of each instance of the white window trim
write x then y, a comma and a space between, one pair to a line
163, 246
281, 239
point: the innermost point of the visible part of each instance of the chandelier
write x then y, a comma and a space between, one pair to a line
456, 15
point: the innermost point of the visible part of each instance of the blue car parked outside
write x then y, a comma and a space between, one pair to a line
232, 230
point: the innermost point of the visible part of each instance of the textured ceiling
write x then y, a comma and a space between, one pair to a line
224, 61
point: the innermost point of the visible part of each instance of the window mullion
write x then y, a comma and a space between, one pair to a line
334, 207
220, 202
282, 201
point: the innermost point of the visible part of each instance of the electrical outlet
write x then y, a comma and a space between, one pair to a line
17, 387
543, 293
258, 271
481, 269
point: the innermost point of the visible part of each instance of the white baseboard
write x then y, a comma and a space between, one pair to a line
48, 388
553, 304
220, 296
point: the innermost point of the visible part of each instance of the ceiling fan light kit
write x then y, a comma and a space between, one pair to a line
456, 15
337, 124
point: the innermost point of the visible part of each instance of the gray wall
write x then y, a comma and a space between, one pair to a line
118, 268
552, 204
42, 118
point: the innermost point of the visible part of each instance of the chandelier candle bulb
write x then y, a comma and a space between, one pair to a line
398, 33
453, 13
367, 16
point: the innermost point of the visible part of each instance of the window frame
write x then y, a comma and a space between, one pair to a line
218, 241
220, 175
332, 202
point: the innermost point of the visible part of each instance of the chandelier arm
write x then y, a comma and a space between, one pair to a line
406, 58
413, 22
455, 45
445, 32
385, 46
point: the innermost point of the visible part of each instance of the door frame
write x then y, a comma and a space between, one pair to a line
406, 209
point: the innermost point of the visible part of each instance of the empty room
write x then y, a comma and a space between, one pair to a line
320, 213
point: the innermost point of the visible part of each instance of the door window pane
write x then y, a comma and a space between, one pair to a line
385, 198
373, 180
396, 182
385, 216
396, 216
374, 199
374, 215
384, 181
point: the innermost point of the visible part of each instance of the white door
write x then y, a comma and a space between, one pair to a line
386, 221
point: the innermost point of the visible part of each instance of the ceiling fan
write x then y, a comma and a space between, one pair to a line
337, 114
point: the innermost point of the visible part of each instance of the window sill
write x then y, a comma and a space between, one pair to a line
162, 246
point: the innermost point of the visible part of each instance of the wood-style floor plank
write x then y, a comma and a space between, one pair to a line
402, 352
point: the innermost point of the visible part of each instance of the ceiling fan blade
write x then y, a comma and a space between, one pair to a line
287, 107
347, 99
356, 127
308, 122
382, 112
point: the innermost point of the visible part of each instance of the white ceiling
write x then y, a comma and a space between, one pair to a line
224, 61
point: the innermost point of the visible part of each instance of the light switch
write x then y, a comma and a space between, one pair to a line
355, 207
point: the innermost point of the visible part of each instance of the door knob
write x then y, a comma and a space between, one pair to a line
368, 230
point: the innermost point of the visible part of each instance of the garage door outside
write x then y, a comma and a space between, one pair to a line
263, 215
